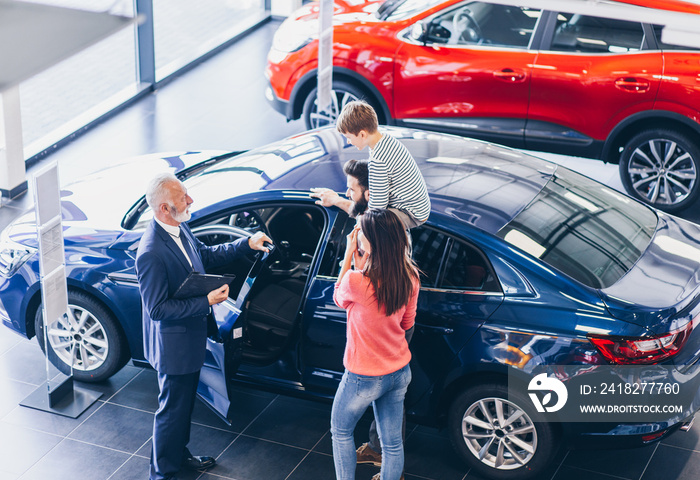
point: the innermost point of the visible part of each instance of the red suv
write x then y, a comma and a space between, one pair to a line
528, 78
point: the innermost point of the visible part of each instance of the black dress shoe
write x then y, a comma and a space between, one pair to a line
196, 462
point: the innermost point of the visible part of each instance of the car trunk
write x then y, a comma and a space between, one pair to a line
661, 292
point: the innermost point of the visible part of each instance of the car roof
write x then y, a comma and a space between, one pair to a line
473, 181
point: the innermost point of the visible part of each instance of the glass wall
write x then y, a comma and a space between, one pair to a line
184, 30
77, 91
60, 100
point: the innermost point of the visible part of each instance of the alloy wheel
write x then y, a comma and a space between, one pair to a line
662, 172
339, 99
499, 433
79, 339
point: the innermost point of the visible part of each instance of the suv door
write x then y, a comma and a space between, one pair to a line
591, 74
472, 66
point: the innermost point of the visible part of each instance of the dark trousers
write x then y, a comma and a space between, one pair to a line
171, 426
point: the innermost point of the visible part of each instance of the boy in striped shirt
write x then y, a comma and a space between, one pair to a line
395, 182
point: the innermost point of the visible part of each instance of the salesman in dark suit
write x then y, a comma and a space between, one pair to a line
175, 330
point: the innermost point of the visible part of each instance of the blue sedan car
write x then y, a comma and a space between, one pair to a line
525, 264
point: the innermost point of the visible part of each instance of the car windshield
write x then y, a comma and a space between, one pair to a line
392, 10
582, 228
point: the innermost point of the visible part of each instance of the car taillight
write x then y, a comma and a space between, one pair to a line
642, 350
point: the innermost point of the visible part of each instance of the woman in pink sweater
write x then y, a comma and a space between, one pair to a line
380, 298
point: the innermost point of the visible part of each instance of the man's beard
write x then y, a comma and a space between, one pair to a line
358, 208
180, 217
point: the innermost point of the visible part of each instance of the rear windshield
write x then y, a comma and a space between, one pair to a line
582, 228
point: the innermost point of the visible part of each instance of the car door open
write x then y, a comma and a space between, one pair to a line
225, 346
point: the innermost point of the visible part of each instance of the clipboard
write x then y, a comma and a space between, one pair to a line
199, 284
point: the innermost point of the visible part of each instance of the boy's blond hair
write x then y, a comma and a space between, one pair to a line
356, 116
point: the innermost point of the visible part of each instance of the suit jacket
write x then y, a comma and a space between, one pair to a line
175, 330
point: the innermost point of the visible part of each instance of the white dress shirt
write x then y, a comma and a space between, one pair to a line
175, 233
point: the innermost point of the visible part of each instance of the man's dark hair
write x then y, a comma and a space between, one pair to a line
358, 169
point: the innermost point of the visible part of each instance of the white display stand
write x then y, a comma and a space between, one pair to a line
324, 74
55, 396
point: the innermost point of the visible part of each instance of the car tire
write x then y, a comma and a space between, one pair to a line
99, 346
342, 93
533, 442
671, 157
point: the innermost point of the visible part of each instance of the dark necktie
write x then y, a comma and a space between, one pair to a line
194, 256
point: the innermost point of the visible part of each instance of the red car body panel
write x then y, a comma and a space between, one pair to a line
591, 94
574, 84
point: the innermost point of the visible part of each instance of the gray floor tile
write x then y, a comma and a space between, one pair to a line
70, 460
116, 427
253, 459
21, 447
671, 463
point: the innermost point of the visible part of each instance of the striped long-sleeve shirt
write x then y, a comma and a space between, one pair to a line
395, 180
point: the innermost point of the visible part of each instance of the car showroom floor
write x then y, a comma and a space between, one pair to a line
220, 105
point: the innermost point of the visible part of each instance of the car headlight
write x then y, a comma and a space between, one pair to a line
294, 35
13, 255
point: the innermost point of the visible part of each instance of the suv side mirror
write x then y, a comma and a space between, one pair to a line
417, 33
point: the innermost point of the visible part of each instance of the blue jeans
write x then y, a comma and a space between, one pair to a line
355, 393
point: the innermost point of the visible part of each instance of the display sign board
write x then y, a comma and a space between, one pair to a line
47, 205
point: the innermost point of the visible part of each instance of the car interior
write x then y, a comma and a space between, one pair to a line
582, 33
271, 308
484, 24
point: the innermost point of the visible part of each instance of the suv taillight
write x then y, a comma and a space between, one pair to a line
642, 350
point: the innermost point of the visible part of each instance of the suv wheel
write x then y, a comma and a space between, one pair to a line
341, 94
660, 167
89, 339
495, 432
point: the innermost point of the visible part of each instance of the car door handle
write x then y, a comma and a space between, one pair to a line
510, 75
433, 330
632, 84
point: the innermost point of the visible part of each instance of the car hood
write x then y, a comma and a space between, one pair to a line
94, 205
665, 280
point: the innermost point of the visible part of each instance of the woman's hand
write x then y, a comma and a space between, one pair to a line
351, 243
350, 250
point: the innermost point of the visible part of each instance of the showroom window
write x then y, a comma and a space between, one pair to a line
184, 30
63, 98
85, 87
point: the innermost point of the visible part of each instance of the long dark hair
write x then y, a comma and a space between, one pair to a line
389, 266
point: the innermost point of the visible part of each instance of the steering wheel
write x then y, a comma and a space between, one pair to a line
464, 25
250, 221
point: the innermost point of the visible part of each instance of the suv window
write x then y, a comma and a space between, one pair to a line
658, 30
581, 33
583, 229
479, 23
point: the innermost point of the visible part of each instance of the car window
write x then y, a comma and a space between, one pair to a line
479, 23
428, 250
466, 269
335, 248
588, 231
658, 32
586, 34
392, 11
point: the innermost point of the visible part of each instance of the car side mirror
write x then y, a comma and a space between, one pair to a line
417, 33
